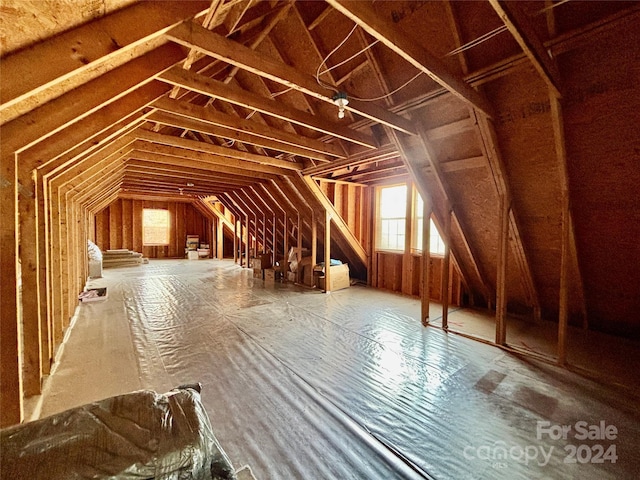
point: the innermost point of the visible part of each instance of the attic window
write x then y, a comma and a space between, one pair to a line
156, 227
392, 218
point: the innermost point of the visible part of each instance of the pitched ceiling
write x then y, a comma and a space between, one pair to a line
236, 98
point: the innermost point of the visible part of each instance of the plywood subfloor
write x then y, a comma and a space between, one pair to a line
299, 384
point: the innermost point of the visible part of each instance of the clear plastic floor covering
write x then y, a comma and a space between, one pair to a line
303, 385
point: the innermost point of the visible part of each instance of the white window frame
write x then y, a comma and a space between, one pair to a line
398, 223
145, 227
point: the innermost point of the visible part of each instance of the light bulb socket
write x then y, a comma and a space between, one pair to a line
341, 100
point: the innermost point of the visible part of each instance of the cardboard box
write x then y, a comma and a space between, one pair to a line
269, 275
291, 276
306, 271
339, 278
262, 261
258, 273
192, 255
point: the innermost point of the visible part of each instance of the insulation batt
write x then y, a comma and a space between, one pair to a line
133, 436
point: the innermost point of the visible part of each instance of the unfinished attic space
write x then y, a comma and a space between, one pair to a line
374, 239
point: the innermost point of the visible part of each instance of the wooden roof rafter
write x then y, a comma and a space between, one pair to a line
365, 16
215, 89
92, 53
187, 180
230, 51
520, 26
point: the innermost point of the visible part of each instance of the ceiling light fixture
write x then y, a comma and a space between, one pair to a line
189, 184
341, 100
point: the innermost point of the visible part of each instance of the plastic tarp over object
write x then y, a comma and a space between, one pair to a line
133, 436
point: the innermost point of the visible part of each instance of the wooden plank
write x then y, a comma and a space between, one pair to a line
327, 250
353, 202
193, 35
501, 276
61, 313
407, 261
523, 31
342, 227
46, 309
250, 209
385, 152
11, 399
180, 147
568, 256
34, 343
54, 261
450, 129
232, 176
320, 18
412, 151
446, 262
212, 122
489, 145
127, 223
299, 246
192, 170
137, 225
52, 117
85, 52
92, 132
464, 164
314, 243
174, 241
248, 127
392, 37
285, 244
235, 241
425, 291
199, 163
220, 240
173, 181
219, 90
247, 248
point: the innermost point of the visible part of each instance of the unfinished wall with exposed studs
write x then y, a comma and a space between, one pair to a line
120, 226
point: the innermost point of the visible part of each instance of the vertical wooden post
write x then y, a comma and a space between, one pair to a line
43, 262
220, 240
327, 251
264, 233
255, 235
374, 209
426, 261
299, 247
407, 262
32, 341
568, 246
314, 244
563, 313
274, 239
246, 241
51, 206
285, 247
235, 240
501, 277
215, 223
11, 407
444, 286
